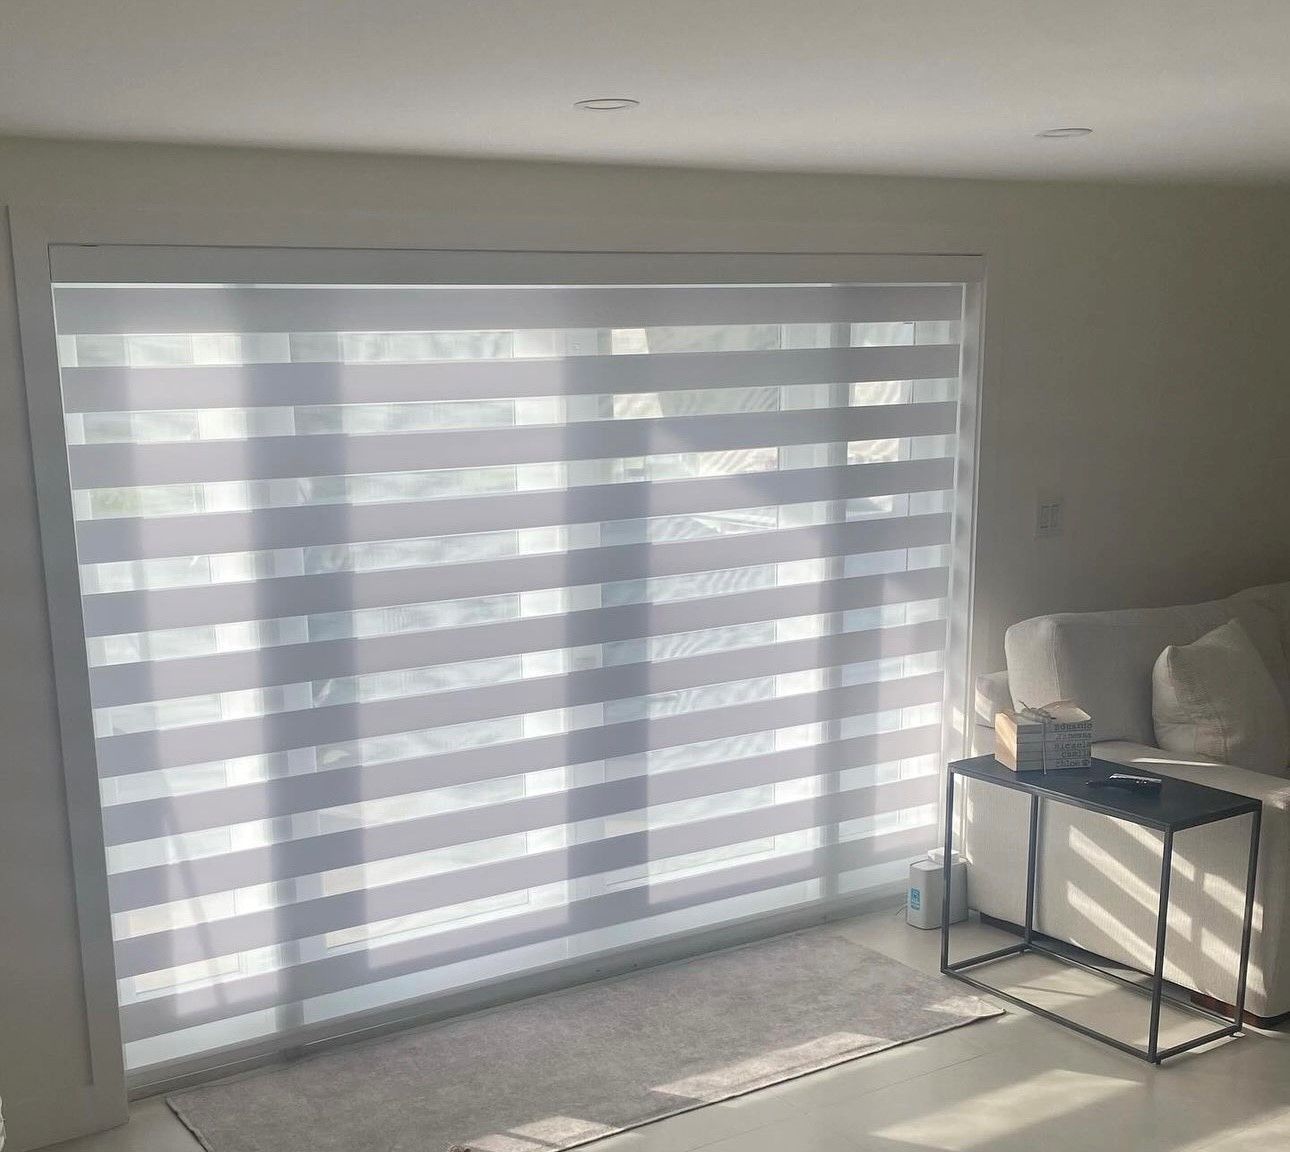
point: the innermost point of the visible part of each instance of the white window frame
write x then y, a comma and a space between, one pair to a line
283, 247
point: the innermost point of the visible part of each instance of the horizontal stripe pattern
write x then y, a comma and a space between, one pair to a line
121, 389
312, 791
155, 1016
111, 613
148, 308
143, 538
278, 457
143, 887
305, 918
306, 727
146, 680
628, 737
581, 697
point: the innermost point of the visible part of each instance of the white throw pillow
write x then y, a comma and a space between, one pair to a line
1215, 697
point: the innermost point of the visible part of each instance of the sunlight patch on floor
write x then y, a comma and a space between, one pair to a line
1268, 1134
980, 1120
540, 1135
757, 1069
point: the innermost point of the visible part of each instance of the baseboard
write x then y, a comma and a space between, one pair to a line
1213, 1004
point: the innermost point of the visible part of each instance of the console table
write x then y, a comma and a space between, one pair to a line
1177, 806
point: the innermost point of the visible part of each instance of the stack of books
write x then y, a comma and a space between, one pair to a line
1048, 739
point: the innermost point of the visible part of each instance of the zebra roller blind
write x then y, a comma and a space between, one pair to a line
438, 633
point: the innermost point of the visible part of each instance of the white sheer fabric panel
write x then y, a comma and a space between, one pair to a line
439, 634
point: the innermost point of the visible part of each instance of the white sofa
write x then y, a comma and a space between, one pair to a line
1098, 877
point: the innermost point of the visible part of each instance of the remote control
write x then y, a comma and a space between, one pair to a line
1129, 782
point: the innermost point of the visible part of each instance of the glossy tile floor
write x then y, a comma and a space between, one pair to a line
1012, 1083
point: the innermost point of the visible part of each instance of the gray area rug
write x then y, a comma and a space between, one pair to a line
563, 1069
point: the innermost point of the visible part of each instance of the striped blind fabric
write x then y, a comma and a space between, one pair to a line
440, 634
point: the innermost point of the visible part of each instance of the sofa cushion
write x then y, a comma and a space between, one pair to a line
1215, 697
1276, 599
1103, 660
1270, 602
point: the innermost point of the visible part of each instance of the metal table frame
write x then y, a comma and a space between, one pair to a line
1156, 990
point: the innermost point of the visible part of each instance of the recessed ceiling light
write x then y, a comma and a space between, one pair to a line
607, 104
1064, 133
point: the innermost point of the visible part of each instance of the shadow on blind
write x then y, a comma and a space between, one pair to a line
441, 634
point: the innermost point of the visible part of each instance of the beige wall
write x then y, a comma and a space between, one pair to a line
1138, 367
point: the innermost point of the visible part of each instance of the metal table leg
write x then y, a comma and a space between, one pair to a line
1247, 924
1162, 924
946, 870
1032, 866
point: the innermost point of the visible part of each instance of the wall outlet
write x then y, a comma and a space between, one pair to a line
1048, 517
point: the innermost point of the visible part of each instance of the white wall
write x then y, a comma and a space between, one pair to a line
1138, 367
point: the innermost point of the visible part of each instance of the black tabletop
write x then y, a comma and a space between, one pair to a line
1179, 803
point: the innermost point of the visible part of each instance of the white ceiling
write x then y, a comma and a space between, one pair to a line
1173, 88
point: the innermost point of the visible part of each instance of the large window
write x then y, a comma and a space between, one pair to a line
439, 632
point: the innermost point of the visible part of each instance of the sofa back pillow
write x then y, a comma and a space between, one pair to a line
1268, 602
1215, 697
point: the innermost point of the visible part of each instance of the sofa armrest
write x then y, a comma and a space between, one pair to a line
1271, 888
992, 695
1274, 791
